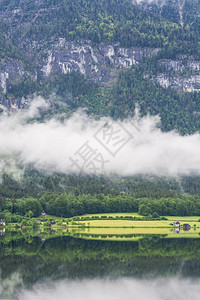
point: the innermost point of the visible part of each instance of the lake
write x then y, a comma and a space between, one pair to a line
37, 265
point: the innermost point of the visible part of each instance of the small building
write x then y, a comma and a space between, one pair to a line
23, 227
63, 226
43, 213
186, 227
176, 224
38, 221
52, 222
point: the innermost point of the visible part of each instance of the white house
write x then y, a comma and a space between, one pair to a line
176, 224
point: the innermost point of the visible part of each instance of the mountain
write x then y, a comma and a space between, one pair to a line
106, 55
110, 57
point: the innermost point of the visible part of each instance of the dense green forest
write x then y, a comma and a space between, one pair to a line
67, 196
69, 205
107, 21
176, 110
103, 21
34, 183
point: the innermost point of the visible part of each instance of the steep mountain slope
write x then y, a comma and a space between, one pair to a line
43, 42
108, 56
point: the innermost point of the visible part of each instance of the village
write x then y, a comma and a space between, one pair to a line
52, 224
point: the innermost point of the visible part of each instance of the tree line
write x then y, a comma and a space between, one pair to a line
68, 205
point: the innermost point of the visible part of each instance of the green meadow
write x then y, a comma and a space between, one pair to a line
119, 220
114, 226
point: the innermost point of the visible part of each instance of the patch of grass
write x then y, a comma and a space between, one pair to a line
113, 215
126, 223
183, 219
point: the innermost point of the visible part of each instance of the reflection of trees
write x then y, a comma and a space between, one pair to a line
82, 258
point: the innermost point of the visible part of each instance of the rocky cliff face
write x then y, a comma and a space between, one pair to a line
12, 72
61, 57
182, 74
96, 63
43, 60
99, 63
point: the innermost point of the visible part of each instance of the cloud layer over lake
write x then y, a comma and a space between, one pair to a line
83, 144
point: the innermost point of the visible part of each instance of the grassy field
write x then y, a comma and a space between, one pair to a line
114, 215
170, 218
114, 229
135, 223
124, 223
184, 219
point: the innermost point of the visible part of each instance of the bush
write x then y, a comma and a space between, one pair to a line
155, 215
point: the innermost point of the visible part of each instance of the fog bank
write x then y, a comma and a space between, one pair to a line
83, 144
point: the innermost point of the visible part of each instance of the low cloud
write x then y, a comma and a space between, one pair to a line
83, 144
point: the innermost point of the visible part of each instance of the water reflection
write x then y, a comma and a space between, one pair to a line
38, 265
123, 288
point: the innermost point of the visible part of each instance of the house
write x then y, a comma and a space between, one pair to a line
52, 222
43, 213
2, 222
186, 227
176, 224
23, 227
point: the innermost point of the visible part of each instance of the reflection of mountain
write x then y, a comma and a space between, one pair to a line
9, 286
115, 289
65, 257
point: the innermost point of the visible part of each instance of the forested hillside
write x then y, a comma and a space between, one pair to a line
108, 56
29, 29
104, 21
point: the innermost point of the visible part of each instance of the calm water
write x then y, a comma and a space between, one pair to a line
38, 267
